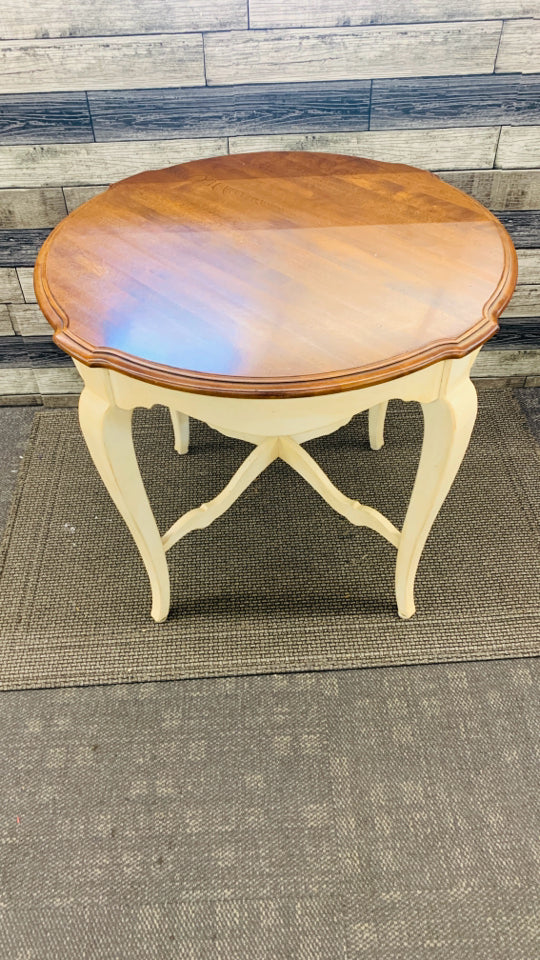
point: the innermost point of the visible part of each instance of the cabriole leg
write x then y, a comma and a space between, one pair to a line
448, 424
107, 431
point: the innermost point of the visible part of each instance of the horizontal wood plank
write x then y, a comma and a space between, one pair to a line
529, 266
228, 111
89, 163
61, 379
100, 18
525, 302
353, 53
22, 209
519, 147
44, 118
522, 225
506, 363
98, 64
6, 329
498, 189
20, 247
28, 320
519, 50
515, 336
18, 381
346, 13
433, 149
77, 195
26, 280
10, 288
474, 100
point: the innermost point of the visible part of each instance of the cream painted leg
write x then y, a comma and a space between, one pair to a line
107, 431
180, 422
448, 424
376, 418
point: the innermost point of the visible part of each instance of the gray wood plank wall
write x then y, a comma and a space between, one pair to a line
92, 92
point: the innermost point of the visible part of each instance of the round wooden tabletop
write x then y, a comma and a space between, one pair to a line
275, 275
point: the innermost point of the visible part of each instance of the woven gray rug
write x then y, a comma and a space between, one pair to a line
280, 583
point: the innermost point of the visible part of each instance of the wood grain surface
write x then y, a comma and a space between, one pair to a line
499, 189
225, 111
10, 288
354, 53
434, 149
519, 147
519, 49
437, 102
87, 163
275, 275
101, 18
31, 209
338, 13
45, 118
95, 63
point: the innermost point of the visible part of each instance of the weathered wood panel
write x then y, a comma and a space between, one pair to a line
20, 247
516, 336
354, 53
25, 275
474, 100
529, 266
63, 379
522, 225
434, 149
10, 288
44, 118
519, 50
519, 147
77, 195
89, 163
18, 381
499, 189
22, 209
506, 363
345, 13
28, 320
227, 111
98, 64
101, 18
6, 330
525, 302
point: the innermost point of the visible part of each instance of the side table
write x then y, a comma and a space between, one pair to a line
275, 296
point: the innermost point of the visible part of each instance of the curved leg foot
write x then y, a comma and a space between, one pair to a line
180, 422
107, 431
448, 424
376, 418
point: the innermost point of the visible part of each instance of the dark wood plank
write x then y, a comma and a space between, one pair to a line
522, 225
499, 189
44, 118
516, 336
19, 248
455, 102
43, 352
225, 111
